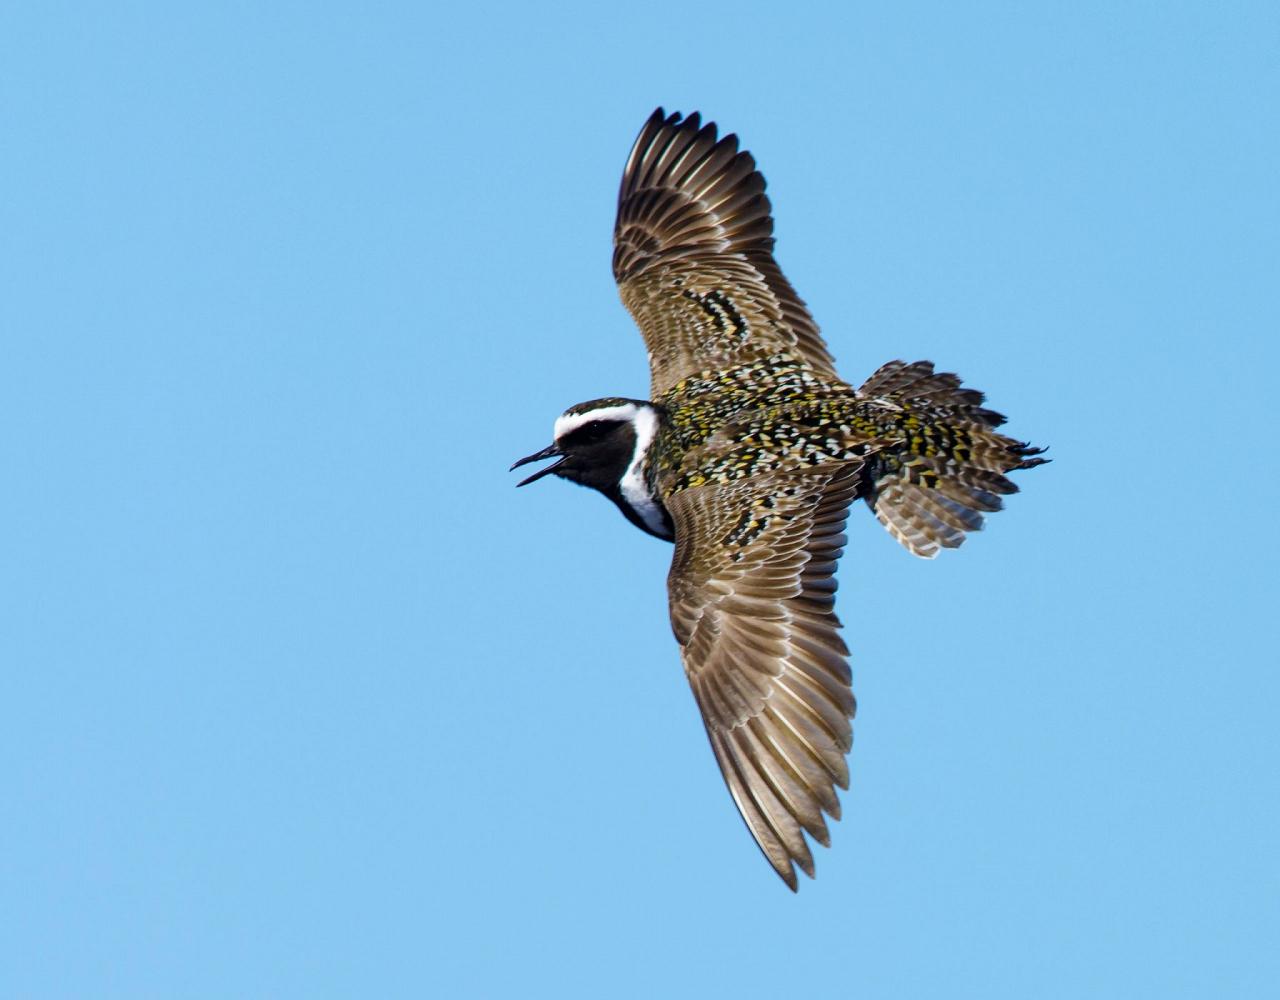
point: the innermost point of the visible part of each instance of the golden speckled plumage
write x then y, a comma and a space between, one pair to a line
755, 450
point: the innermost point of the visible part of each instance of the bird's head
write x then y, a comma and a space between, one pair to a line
596, 442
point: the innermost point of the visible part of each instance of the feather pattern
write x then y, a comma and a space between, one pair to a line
762, 652
693, 256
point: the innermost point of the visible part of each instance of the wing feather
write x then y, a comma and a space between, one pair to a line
693, 256
762, 651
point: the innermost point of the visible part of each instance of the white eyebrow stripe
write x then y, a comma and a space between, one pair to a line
568, 422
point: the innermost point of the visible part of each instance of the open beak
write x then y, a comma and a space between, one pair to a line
551, 451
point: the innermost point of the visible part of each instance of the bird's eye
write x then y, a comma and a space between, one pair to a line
589, 433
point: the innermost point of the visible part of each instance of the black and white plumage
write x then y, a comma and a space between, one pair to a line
748, 456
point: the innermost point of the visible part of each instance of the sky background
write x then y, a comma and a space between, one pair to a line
299, 697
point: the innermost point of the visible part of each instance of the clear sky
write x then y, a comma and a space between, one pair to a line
299, 697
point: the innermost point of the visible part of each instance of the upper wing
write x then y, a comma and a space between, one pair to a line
752, 590
693, 256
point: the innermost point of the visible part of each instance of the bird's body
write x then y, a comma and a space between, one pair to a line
748, 456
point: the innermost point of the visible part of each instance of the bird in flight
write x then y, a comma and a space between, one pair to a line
747, 456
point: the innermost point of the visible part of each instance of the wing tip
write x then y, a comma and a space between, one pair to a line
788, 875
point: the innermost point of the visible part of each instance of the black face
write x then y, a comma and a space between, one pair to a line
594, 454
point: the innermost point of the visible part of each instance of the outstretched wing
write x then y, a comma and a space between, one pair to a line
751, 591
693, 256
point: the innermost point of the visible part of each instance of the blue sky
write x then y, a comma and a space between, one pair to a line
299, 697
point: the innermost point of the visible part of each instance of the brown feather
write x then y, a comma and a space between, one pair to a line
694, 222
762, 651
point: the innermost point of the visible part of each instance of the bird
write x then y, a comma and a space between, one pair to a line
748, 455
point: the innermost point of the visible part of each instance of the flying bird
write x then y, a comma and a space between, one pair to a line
747, 456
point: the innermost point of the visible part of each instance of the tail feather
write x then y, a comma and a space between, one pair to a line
928, 389
950, 468
950, 512
900, 508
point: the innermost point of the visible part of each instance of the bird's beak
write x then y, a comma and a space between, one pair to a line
551, 451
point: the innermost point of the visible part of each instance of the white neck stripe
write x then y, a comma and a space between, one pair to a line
635, 490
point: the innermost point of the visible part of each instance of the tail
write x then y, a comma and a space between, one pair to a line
935, 486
